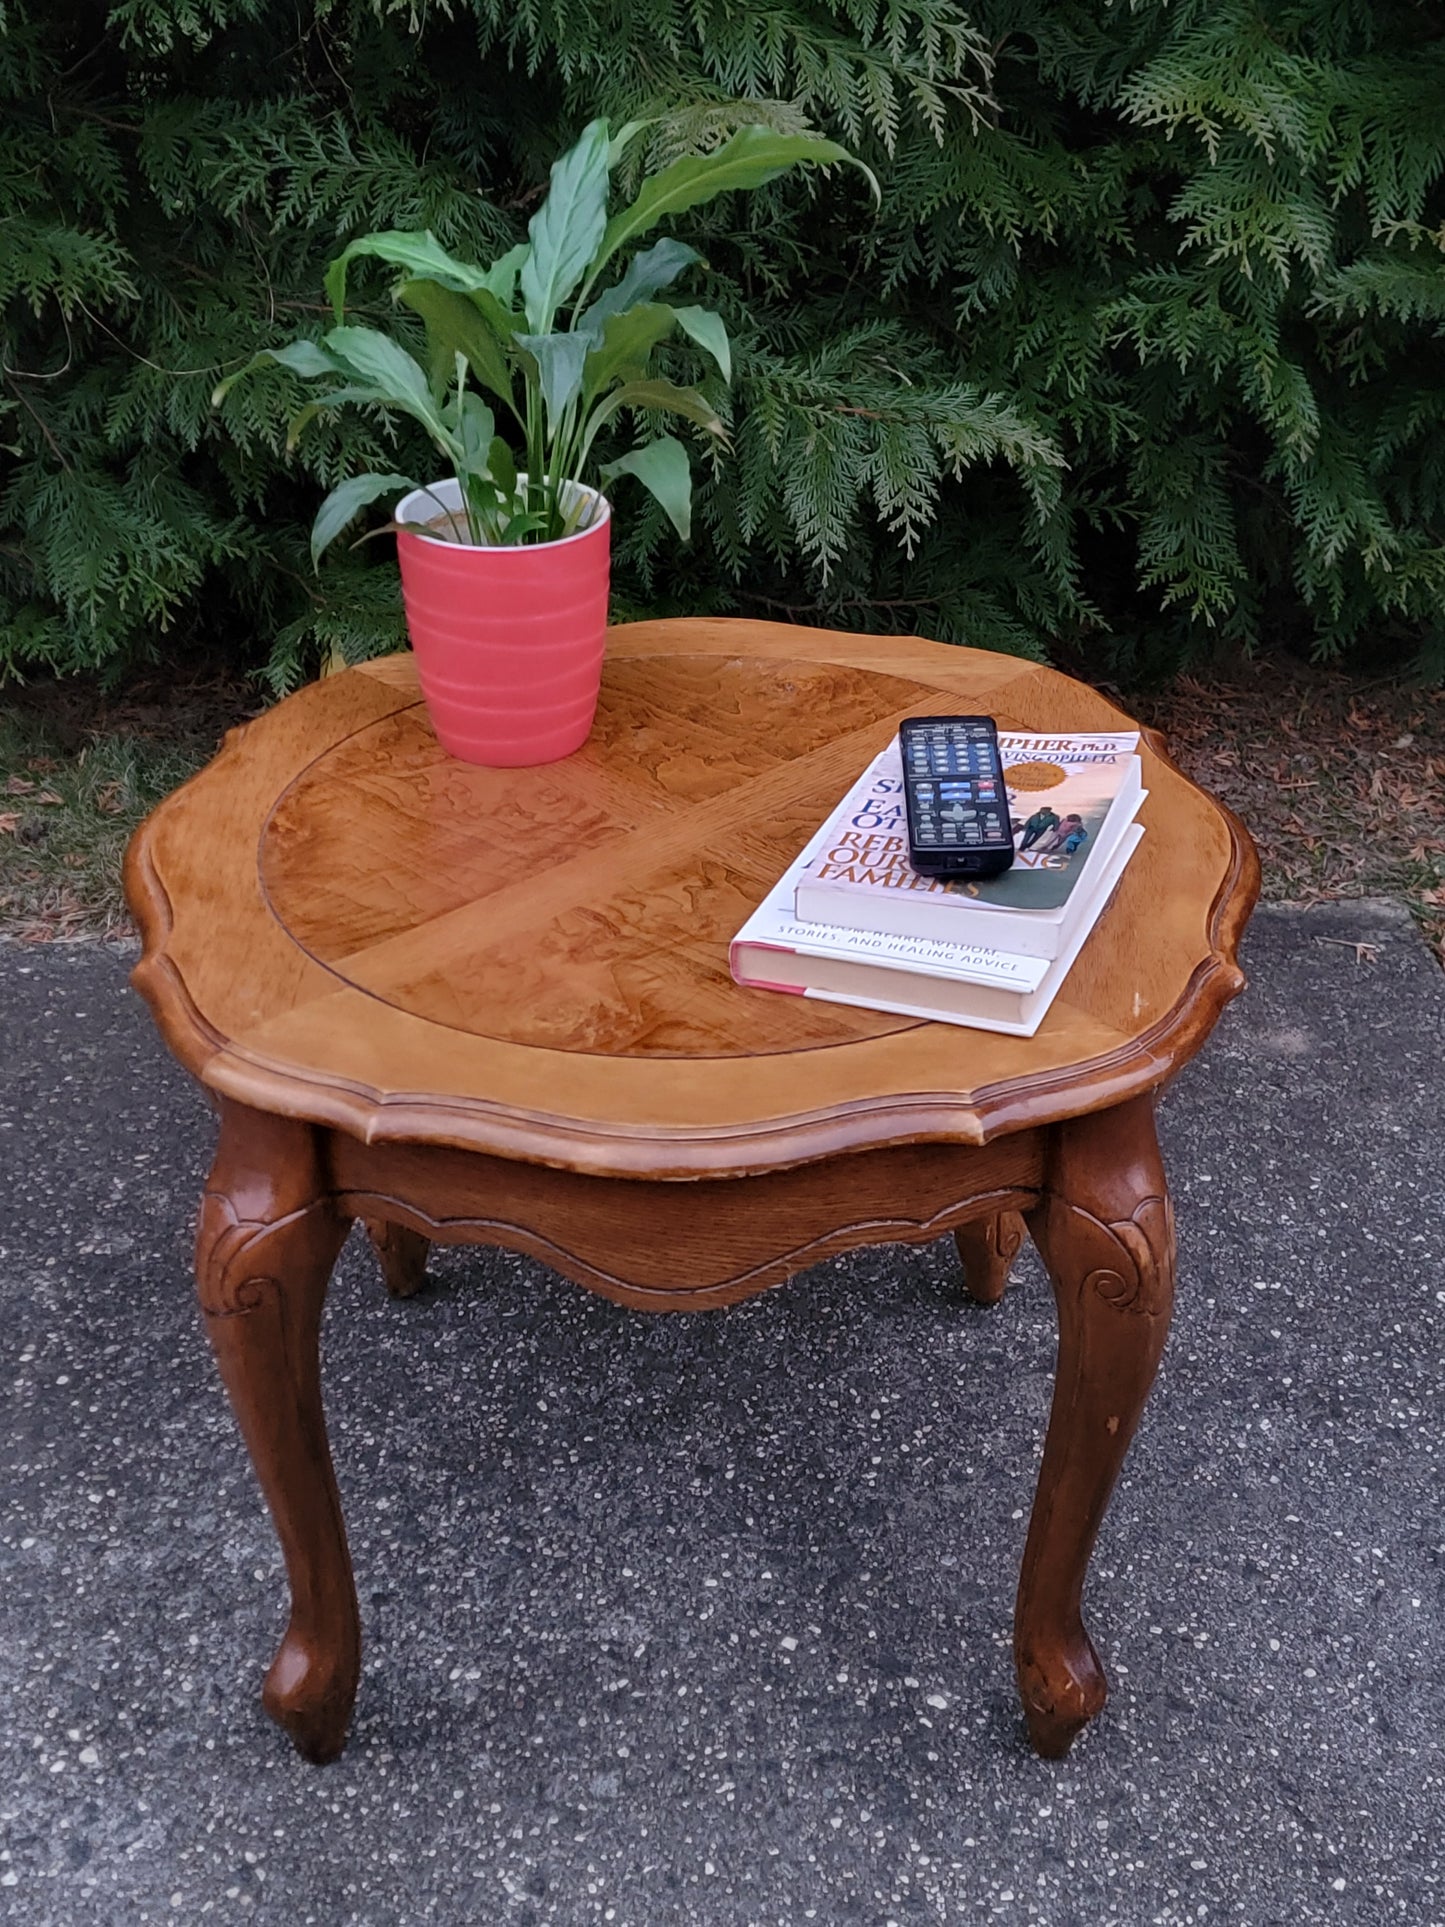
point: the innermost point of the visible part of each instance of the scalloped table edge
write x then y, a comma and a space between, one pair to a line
377, 1117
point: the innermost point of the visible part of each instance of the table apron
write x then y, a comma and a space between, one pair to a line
690, 1245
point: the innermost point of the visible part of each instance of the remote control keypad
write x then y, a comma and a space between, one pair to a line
956, 797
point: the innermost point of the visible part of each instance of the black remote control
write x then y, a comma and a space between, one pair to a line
953, 786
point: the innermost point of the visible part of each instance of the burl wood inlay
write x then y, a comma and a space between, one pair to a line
587, 905
492, 1006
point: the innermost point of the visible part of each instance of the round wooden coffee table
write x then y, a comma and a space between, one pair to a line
493, 1006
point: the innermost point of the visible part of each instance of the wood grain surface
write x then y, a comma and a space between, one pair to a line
344, 925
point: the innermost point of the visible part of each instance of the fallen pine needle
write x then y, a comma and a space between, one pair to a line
1364, 952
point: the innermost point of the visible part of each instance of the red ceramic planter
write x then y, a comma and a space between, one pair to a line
508, 642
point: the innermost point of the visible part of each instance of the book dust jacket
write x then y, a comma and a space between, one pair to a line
1060, 789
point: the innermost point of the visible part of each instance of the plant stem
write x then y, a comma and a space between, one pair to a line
536, 487
557, 474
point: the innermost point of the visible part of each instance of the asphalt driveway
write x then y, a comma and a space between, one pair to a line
706, 1619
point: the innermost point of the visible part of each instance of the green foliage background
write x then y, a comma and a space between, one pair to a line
1143, 351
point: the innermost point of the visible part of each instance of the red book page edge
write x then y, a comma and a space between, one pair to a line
763, 983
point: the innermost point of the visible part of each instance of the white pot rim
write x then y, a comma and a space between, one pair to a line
447, 495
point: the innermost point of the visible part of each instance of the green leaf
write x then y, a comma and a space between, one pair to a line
476, 429
305, 358
500, 279
502, 467
559, 360
486, 510
647, 274
520, 525
455, 327
345, 503
419, 254
305, 416
397, 376
663, 396
707, 330
754, 156
667, 397
504, 322
622, 140
422, 255
567, 227
627, 340
663, 470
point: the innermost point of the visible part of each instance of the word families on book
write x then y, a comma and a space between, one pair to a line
858, 924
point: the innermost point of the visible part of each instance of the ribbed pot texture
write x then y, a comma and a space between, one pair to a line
508, 642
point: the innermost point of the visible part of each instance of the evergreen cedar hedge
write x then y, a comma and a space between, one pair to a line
1142, 351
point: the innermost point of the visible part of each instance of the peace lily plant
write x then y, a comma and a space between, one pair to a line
546, 343
505, 560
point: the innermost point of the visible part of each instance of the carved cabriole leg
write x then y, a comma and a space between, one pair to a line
986, 1250
1106, 1231
267, 1240
402, 1253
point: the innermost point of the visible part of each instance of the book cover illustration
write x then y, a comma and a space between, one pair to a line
1060, 789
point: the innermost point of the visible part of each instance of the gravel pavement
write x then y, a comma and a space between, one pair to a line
706, 1619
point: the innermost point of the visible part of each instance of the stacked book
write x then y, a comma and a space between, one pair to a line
852, 921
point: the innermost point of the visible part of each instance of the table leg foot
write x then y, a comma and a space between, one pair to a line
1105, 1228
402, 1254
267, 1239
1061, 1692
309, 1693
986, 1249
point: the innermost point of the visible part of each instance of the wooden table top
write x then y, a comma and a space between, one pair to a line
344, 924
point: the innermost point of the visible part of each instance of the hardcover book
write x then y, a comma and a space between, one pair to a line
949, 982
1070, 798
